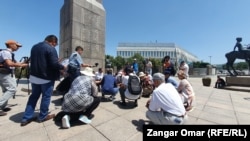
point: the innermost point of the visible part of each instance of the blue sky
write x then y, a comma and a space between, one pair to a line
203, 27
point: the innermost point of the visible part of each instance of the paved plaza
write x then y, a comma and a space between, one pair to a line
113, 122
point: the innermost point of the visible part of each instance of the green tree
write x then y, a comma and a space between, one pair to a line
241, 65
119, 62
200, 64
21, 72
157, 63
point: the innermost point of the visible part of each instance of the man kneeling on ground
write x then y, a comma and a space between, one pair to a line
165, 106
81, 100
109, 85
124, 92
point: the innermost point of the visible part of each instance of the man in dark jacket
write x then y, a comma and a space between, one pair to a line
44, 70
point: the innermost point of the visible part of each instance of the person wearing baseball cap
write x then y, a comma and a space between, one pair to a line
12, 42
8, 83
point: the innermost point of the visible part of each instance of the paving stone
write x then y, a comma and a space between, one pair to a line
114, 122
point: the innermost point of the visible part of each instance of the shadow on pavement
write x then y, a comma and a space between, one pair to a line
235, 88
139, 124
18, 117
129, 104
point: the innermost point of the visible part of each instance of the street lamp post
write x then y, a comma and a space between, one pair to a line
210, 59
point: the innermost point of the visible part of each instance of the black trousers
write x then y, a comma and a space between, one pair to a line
122, 94
64, 85
92, 107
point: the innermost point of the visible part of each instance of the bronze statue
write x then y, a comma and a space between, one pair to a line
242, 53
238, 45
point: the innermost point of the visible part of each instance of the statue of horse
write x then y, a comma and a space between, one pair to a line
232, 56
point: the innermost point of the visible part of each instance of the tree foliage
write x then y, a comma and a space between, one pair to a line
241, 65
120, 62
200, 64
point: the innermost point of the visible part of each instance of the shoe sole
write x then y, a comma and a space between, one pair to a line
3, 114
6, 109
47, 118
28, 121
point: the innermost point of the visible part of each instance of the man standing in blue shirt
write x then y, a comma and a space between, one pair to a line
135, 66
75, 63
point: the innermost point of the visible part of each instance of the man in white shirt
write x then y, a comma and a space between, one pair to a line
184, 67
165, 106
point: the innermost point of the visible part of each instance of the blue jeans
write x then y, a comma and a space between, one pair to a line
112, 91
38, 89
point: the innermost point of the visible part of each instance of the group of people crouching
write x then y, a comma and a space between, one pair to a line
168, 103
170, 99
173, 98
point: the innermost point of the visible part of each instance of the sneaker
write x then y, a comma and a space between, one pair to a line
84, 119
91, 116
190, 108
2, 113
6, 109
111, 98
26, 122
65, 122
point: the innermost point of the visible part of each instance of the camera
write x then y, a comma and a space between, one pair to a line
25, 59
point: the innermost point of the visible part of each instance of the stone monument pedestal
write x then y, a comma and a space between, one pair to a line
82, 23
238, 81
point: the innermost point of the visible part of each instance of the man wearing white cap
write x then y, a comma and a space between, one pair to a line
8, 83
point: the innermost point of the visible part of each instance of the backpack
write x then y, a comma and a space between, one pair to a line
3, 68
134, 86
